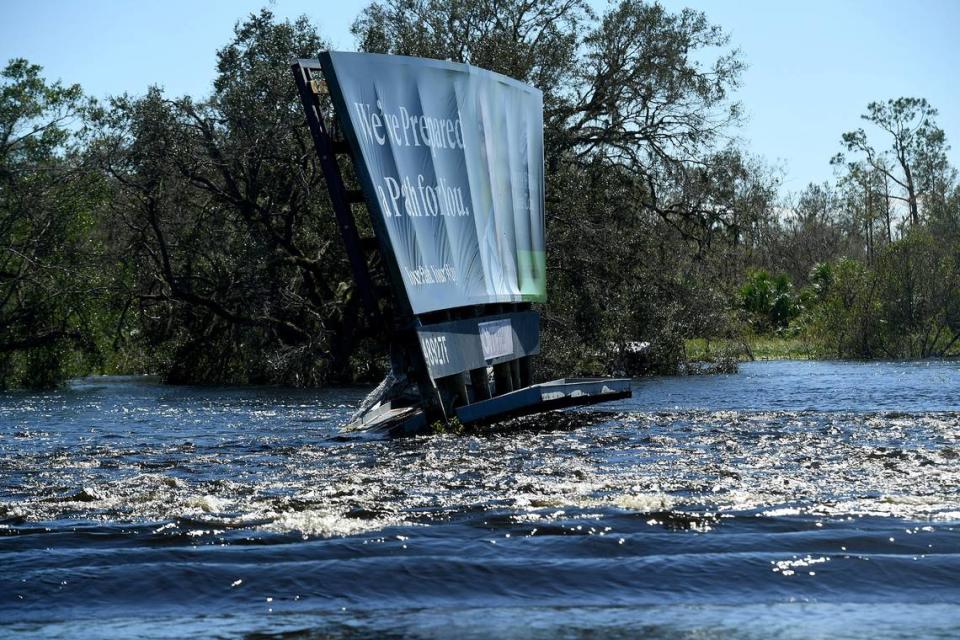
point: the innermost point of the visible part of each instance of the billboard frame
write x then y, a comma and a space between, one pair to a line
479, 380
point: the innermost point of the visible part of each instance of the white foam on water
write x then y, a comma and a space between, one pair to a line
645, 502
324, 524
207, 503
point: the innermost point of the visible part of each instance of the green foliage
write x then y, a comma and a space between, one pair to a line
52, 320
770, 300
752, 347
237, 273
642, 195
843, 319
878, 255
192, 236
907, 305
916, 160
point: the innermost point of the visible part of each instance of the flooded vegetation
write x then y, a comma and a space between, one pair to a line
194, 238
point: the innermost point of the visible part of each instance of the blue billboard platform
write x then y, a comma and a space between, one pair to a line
393, 421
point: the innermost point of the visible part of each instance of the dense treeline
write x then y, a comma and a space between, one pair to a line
192, 236
869, 267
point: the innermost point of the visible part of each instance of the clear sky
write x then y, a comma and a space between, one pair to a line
813, 64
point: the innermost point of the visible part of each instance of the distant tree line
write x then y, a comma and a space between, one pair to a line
192, 237
868, 267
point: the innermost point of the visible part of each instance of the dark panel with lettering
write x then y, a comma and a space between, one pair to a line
460, 345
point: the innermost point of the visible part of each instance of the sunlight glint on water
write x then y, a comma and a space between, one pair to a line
789, 500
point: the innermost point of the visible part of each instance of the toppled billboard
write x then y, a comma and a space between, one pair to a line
450, 158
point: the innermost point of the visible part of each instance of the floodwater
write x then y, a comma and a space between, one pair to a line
790, 500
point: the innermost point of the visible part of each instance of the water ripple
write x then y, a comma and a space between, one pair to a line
227, 497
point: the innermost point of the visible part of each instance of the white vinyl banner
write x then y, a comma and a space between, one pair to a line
452, 168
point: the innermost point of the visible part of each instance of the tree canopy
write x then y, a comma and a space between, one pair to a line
192, 236
50, 279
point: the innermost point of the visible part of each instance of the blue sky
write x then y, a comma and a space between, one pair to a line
813, 65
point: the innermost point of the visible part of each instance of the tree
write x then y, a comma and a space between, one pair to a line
625, 90
50, 278
812, 232
917, 155
225, 214
770, 300
863, 190
640, 177
534, 41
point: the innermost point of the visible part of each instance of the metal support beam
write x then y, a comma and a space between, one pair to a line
309, 88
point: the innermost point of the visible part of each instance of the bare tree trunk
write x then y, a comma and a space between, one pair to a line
886, 206
911, 192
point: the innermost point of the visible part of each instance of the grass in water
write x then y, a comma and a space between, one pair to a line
750, 348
